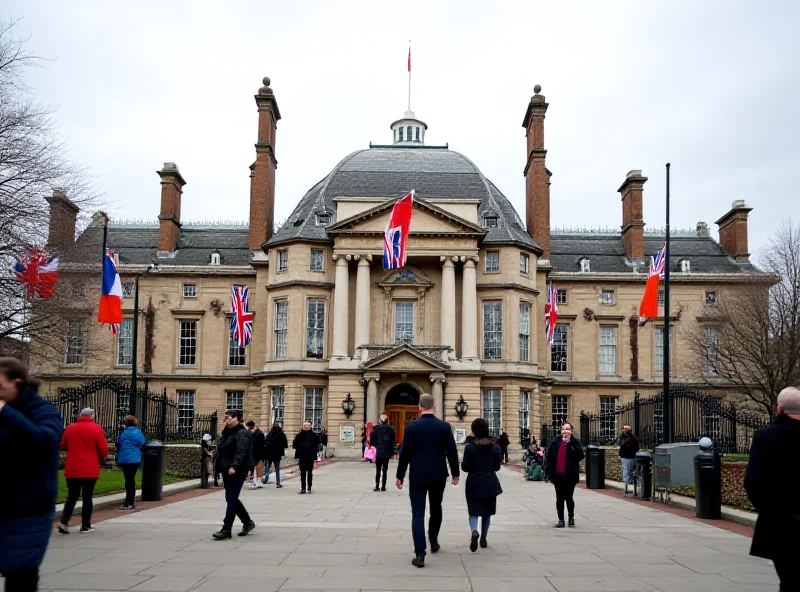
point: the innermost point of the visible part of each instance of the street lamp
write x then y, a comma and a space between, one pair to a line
461, 407
152, 268
348, 405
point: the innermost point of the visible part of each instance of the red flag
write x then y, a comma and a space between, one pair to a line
396, 233
409, 59
649, 306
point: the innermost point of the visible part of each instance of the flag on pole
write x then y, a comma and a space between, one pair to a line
649, 306
110, 311
242, 321
396, 233
550, 313
38, 272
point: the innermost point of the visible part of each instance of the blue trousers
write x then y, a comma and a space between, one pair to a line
418, 492
485, 522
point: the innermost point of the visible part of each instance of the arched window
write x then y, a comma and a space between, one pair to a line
417, 134
408, 129
400, 134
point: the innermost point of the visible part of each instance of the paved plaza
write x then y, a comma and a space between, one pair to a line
346, 537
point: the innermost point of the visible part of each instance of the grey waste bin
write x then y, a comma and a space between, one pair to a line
708, 486
644, 475
153, 471
595, 467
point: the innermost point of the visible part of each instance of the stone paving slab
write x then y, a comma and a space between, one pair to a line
346, 537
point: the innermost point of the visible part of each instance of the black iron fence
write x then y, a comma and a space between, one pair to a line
159, 417
695, 414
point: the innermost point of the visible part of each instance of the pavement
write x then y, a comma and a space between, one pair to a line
346, 537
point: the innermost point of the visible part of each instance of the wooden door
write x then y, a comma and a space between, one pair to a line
400, 416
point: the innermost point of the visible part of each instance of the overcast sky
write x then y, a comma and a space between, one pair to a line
711, 87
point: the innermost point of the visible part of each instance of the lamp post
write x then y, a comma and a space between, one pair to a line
461, 407
348, 405
153, 267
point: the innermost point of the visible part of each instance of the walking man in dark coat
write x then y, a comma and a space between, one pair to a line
306, 446
234, 461
383, 439
429, 446
772, 482
503, 441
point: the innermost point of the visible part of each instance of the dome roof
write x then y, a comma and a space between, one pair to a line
390, 172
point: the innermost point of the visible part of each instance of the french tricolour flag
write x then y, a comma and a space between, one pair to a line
111, 295
396, 233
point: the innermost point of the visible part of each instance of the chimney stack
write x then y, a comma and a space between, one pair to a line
169, 220
63, 213
733, 231
702, 230
262, 176
632, 217
537, 177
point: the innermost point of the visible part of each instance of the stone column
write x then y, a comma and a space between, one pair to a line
437, 390
448, 310
362, 305
372, 396
341, 324
469, 311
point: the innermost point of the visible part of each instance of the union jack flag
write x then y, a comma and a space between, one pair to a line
38, 272
550, 313
657, 263
242, 321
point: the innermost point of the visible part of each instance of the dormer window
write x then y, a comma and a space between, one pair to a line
585, 266
490, 221
400, 134
215, 258
408, 129
417, 137
686, 266
323, 219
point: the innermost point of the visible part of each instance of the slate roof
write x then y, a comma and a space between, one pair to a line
390, 172
606, 253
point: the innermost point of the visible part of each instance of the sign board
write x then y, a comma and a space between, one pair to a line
347, 434
461, 435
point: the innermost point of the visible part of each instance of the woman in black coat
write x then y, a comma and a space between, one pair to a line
276, 446
482, 460
562, 468
234, 461
30, 438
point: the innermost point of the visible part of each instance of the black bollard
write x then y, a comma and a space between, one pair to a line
708, 486
644, 475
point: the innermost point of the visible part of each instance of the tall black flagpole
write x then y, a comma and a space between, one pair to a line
669, 426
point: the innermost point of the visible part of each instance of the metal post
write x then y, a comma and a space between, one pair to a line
134, 347
636, 415
163, 426
584, 430
669, 428
213, 426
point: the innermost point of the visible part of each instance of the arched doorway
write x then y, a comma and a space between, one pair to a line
402, 407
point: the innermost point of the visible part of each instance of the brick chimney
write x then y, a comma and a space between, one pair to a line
169, 220
537, 177
632, 219
733, 231
262, 176
63, 213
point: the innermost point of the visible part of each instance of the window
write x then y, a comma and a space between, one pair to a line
215, 258
74, 354
190, 290
492, 330
323, 219
711, 297
492, 261
525, 410
686, 266
127, 289
561, 296
408, 133
185, 412
524, 332
281, 327
524, 263
283, 260
608, 418
490, 221
314, 408
585, 267
711, 420
315, 329
187, 353
234, 400
316, 259
558, 349
276, 395
417, 134
559, 410
237, 356
661, 298
78, 290
607, 297
659, 349
404, 322
608, 349
491, 410
125, 343
711, 357
400, 134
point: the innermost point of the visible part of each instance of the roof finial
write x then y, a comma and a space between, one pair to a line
537, 89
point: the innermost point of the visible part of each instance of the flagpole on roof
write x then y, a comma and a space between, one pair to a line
669, 427
409, 74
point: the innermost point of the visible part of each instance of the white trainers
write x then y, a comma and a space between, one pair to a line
252, 486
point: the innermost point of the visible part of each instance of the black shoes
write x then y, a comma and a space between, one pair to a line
247, 528
484, 544
224, 533
560, 524
418, 562
376, 488
63, 529
473, 541
383, 488
571, 522
435, 546
302, 491
86, 529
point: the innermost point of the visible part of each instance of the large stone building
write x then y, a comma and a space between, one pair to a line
464, 318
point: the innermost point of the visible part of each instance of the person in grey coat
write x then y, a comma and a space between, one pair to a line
482, 460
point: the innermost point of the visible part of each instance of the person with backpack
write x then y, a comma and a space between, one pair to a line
383, 439
129, 457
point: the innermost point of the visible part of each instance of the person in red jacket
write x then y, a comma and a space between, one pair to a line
86, 446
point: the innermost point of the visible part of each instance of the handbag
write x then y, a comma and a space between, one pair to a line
370, 453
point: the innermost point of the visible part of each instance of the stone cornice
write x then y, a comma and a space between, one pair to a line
506, 286
187, 312
675, 277
305, 283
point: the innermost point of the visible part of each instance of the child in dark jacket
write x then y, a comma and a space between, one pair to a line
482, 460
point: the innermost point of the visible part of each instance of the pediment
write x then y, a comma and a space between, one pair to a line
407, 276
426, 219
405, 357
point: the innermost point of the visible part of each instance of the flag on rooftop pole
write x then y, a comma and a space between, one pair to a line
110, 311
649, 306
396, 234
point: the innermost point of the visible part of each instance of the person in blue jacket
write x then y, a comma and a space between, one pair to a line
129, 457
30, 439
